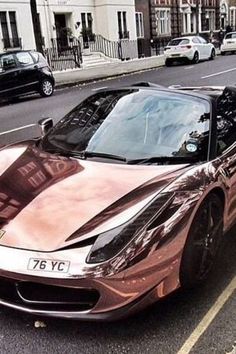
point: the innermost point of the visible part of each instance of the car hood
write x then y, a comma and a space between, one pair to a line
48, 202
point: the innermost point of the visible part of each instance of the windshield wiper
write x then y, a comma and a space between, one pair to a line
103, 155
163, 160
85, 154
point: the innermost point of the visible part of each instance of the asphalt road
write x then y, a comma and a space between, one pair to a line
163, 328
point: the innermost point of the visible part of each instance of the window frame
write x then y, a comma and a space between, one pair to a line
139, 24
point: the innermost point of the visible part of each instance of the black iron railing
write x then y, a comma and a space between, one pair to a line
9, 43
64, 55
121, 49
104, 46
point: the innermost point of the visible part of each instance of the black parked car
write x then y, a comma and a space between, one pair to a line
22, 72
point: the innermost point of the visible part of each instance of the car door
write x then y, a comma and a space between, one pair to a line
198, 46
8, 75
206, 47
28, 75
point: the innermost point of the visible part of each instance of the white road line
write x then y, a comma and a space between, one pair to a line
219, 73
189, 67
208, 318
16, 129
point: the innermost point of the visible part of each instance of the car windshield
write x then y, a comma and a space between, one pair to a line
178, 41
134, 124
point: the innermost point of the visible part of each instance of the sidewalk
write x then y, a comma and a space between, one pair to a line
78, 76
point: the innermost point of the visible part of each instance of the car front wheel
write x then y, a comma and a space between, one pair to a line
46, 88
203, 242
168, 62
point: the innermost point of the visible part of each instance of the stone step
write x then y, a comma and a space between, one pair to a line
90, 60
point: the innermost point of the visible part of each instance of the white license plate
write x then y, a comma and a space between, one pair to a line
48, 265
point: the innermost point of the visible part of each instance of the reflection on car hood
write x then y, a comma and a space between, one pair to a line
45, 198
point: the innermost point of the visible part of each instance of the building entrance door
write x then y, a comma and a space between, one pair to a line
61, 30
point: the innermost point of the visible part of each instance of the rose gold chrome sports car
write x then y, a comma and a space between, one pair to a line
123, 201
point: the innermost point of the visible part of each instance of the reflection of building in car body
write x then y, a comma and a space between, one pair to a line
34, 172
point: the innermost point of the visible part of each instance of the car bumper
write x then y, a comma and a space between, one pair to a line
180, 55
111, 314
228, 48
100, 296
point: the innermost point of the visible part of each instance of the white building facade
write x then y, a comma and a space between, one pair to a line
60, 19
16, 28
113, 19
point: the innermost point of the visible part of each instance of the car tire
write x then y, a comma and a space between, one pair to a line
213, 54
195, 58
222, 53
168, 62
46, 88
203, 242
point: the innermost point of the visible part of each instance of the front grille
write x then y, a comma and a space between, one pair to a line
48, 297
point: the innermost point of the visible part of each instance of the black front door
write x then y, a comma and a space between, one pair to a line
61, 30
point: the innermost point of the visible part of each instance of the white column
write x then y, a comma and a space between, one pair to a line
194, 22
184, 23
189, 23
199, 22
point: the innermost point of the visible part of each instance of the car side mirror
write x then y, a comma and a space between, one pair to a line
45, 124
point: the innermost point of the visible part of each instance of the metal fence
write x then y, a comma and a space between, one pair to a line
62, 56
122, 49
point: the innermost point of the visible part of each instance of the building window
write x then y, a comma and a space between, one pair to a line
210, 20
9, 29
122, 25
139, 24
233, 16
163, 21
87, 21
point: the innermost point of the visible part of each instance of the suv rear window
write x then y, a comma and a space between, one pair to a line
230, 35
179, 41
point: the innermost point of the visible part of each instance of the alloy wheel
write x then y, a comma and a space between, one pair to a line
47, 88
206, 241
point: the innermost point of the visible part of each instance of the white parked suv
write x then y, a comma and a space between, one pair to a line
192, 48
229, 43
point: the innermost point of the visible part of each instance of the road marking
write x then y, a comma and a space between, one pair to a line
208, 318
189, 67
16, 129
219, 73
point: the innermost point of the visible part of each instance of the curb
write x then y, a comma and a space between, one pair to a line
102, 78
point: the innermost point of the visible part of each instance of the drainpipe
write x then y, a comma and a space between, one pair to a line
36, 26
177, 14
197, 16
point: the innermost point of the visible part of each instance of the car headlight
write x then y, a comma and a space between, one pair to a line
110, 243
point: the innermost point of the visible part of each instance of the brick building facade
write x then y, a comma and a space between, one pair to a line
170, 18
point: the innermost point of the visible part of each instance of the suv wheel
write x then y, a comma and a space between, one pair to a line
46, 88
